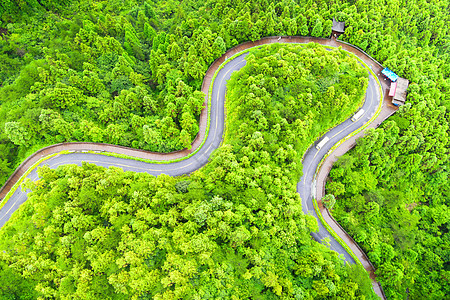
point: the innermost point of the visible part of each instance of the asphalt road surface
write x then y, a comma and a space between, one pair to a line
311, 158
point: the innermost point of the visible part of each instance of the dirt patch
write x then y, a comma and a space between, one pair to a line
3, 31
411, 206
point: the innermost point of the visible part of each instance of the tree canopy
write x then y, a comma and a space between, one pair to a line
233, 229
125, 72
129, 73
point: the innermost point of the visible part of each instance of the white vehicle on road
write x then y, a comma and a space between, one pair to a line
358, 115
322, 143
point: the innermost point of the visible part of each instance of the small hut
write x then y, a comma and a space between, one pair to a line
399, 97
338, 28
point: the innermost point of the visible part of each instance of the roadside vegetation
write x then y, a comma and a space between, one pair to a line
393, 197
235, 228
392, 190
129, 73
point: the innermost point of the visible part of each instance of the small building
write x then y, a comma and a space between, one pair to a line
401, 85
338, 28
398, 87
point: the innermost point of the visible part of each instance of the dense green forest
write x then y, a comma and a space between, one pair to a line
393, 197
128, 72
234, 229
392, 190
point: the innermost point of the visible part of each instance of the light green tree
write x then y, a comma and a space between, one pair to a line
17, 133
329, 201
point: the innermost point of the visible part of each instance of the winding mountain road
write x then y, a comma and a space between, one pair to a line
312, 158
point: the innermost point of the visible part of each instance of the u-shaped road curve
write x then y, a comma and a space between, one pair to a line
311, 159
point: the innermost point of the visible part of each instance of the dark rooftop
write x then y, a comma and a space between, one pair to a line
338, 26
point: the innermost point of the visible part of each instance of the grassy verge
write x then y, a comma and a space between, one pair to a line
333, 233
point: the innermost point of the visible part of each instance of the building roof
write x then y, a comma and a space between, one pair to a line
389, 74
400, 91
338, 26
393, 89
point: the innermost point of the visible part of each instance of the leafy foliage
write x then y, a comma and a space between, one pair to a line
125, 72
234, 229
392, 190
394, 199
114, 70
